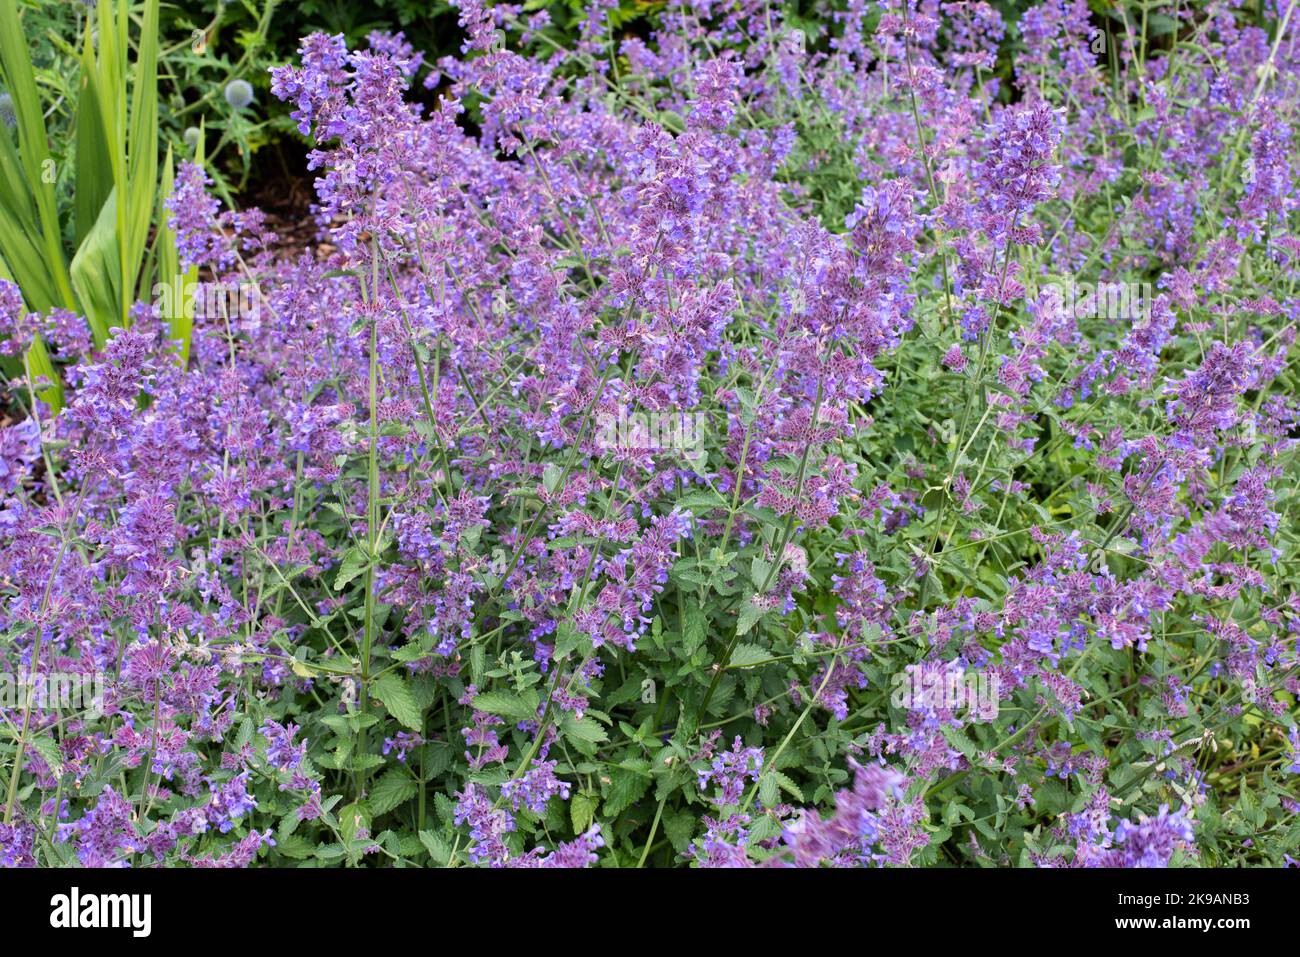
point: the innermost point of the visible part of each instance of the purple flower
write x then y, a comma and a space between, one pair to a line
1152, 841
229, 802
487, 827
20, 448
17, 845
730, 769
194, 219
535, 787
862, 818
402, 742
281, 751
1015, 172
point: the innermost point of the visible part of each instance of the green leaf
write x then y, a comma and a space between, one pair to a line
626, 787
959, 740
703, 501
353, 563
519, 707
33, 146
582, 812
396, 697
436, 846
394, 788
694, 627
749, 615
764, 827
180, 323
746, 656
583, 729
49, 751
352, 819
414, 650
295, 846
679, 827
551, 477
788, 786
95, 273
142, 172
94, 180
39, 361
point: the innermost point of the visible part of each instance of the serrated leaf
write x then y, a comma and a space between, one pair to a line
394, 788
583, 729
353, 563
519, 707
694, 628
746, 656
49, 751
551, 477
763, 829
352, 819
414, 650
436, 846
701, 500
626, 787
679, 827
749, 616
788, 786
960, 741
582, 812
397, 699
295, 846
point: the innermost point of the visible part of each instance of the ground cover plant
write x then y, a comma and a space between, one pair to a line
864, 439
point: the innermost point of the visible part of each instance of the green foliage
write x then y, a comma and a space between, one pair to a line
114, 184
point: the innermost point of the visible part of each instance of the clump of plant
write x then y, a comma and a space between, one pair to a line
593, 502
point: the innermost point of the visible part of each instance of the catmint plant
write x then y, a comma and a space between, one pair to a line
953, 571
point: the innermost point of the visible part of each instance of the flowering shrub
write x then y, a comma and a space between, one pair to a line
965, 560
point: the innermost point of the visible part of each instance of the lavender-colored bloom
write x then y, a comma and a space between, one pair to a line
730, 769
229, 802
15, 328
105, 836
1150, 842
578, 853
194, 218
716, 85
1015, 171
487, 827
723, 843
17, 845
20, 448
859, 822
402, 742
663, 223
281, 751
535, 787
